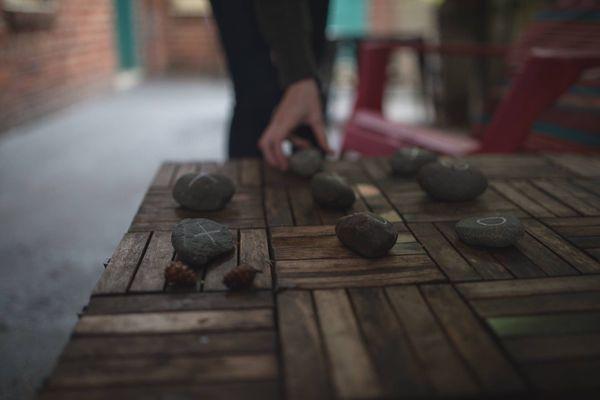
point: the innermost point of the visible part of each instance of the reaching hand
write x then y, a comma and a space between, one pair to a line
301, 104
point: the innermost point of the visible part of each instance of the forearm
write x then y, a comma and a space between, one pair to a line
286, 26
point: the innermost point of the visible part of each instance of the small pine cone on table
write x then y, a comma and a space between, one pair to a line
240, 277
179, 274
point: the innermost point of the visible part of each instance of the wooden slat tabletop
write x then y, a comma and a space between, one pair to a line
433, 318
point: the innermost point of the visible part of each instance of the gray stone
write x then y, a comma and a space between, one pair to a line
197, 241
452, 180
332, 191
408, 161
203, 192
498, 230
306, 163
366, 234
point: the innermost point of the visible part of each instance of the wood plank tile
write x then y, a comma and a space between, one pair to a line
534, 349
538, 304
377, 202
221, 391
442, 364
572, 255
556, 324
354, 374
217, 269
528, 205
516, 262
546, 260
486, 290
82, 347
453, 265
304, 362
306, 248
250, 172
164, 175
398, 368
493, 370
303, 208
150, 275
174, 322
555, 207
576, 199
411, 275
277, 207
123, 263
127, 304
254, 251
164, 370
482, 261
577, 164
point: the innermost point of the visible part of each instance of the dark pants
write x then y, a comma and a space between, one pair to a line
254, 77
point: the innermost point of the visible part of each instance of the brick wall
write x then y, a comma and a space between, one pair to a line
193, 45
47, 69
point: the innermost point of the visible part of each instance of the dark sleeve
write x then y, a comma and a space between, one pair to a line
286, 26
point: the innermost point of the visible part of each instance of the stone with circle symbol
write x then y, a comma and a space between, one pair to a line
367, 234
306, 162
490, 231
203, 192
408, 161
452, 181
197, 241
332, 191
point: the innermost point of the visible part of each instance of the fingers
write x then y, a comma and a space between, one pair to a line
271, 147
318, 128
300, 142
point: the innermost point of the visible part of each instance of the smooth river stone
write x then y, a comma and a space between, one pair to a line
366, 234
408, 161
203, 192
332, 191
306, 163
197, 241
452, 180
498, 230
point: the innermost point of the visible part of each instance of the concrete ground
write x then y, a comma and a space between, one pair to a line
69, 187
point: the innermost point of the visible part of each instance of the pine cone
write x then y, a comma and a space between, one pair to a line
179, 274
241, 277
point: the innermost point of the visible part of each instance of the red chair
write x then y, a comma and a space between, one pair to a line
544, 74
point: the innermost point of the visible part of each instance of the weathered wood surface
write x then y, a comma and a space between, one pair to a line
434, 318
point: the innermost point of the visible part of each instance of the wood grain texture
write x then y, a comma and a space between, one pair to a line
86, 347
453, 265
139, 303
174, 322
442, 364
304, 363
493, 370
181, 369
123, 263
398, 368
254, 251
354, 374
435, 318
150, 275
575, 257
218, 391
483, 290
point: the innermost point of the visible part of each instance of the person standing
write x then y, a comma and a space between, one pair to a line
272, 49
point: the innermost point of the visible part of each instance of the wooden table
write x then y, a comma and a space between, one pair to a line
435, 317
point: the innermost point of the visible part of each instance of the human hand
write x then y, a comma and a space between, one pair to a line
301, 104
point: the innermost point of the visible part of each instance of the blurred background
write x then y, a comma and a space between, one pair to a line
94, 95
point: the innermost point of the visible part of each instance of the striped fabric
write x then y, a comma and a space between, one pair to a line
573, 122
